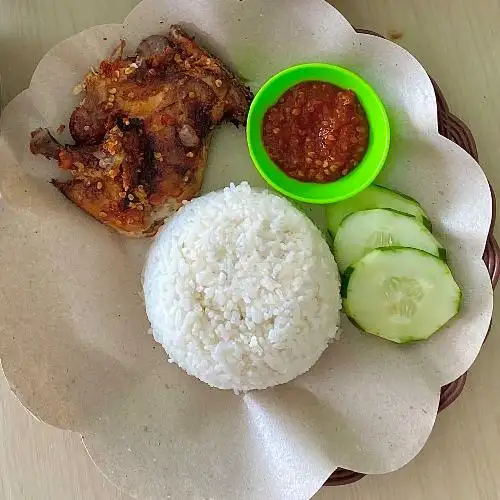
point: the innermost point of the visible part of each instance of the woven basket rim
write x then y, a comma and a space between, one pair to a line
451, 127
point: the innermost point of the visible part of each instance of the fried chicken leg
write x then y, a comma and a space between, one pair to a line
142, 131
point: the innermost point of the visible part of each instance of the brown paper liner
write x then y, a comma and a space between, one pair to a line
454, 129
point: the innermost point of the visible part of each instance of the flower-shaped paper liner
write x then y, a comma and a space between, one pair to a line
74, 337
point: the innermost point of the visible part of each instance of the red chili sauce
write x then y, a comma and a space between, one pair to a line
316, 132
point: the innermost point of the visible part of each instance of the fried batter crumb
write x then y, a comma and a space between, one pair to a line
395, 35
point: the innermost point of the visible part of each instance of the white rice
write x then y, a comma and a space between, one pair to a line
242, 290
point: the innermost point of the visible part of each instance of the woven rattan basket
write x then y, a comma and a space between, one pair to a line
454, 129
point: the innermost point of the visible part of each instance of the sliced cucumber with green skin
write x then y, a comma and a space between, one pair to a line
362, 232
400, 294
374, 197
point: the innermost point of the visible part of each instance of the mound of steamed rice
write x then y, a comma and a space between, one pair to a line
242, 290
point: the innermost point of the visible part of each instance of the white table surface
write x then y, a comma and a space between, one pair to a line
458, 41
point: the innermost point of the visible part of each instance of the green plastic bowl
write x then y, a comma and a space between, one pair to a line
355, 181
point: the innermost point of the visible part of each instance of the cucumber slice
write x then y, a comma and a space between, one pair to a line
362, 232
374, 197
400, 294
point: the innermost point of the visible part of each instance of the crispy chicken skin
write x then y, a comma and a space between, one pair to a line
142, 131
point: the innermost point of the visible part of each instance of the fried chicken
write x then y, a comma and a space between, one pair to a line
142, 131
